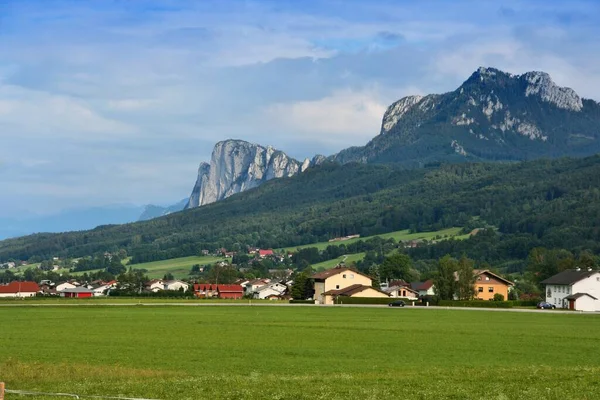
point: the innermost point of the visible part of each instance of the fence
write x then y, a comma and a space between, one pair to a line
4, 391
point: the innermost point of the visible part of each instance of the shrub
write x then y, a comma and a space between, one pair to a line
498, 297
370, 300
302, 301
475, 303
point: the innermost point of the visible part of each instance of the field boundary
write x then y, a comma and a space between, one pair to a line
75, 396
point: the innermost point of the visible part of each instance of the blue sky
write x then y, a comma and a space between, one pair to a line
105, 102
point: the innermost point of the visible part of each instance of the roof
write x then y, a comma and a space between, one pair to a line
79, 289
422, 285
265, 252
578, 295
351, 290
230, 288
477, 272
392, 288
19, 287
568, 277
334, 271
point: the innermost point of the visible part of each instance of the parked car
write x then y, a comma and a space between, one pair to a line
397, 303
543, 305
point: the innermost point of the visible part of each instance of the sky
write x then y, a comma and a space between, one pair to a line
118, 101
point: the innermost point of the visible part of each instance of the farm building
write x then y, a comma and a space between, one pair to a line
19, 289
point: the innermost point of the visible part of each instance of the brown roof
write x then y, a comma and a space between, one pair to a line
422, 285
18, 287
334, 271
485, 271
351, 290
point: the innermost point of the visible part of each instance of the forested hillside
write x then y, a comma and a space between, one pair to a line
540, 203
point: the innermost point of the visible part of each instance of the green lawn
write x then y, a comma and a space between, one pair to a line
332, 263
299, 353
398, 235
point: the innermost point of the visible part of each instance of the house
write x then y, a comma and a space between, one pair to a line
357, 290
488, 284
230, 291
265, 253
65, 285
175, 285
336, 279
251, 286
205, 290
205, 252
47, 289
574, 289
272, 290
209, 290
102, 288
155, 285
402, 291
77, 292
424, 288
19, 289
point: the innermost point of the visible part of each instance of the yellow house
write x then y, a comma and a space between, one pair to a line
487, 284
342, 281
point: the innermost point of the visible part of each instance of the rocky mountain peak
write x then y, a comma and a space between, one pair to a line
542, 85
236, 166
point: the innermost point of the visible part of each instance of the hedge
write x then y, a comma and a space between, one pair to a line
475, 303
370, 300
302, 301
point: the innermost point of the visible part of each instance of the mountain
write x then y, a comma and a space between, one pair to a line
541, 203
69, 220
492, 116
237, 165
153, 211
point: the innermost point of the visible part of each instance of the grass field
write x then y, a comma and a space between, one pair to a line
299, 353
332, 263
398, 235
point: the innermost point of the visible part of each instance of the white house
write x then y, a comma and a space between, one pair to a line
574, 289
270, 291
251, 286
101, 290
424, 288
65, 285
155, 285
19, 289
402, 291
175, 285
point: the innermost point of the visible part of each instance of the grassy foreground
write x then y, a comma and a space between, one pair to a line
299, 353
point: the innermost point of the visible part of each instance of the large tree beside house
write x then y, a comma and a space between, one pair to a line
444, 282
465, 279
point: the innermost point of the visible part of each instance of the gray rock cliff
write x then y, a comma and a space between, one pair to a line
237, 165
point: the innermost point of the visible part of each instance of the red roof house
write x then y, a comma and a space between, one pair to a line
265, 253
19, 289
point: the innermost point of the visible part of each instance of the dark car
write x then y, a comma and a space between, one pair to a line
545, 305
397, 303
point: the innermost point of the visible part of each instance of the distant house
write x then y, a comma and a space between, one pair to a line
205, 252
265, 253
209, 290
402, 291
155, 285
357, 290
77, 292
251, 286
230, 291
102, 288
574, 289
423, 288
175, 285
19, 289
273, 290
330, 283
65, 285
487, 284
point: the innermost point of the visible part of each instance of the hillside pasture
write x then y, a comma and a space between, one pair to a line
309, 352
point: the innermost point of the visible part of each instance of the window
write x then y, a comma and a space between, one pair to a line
344, 276
478, 278
351, 276
491, 289
487, 278
337, 286
480, 289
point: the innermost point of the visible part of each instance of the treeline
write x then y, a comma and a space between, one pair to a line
544, 203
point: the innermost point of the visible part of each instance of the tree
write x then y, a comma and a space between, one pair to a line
168, 276
302, 288
465, 281
396, 266
444, 282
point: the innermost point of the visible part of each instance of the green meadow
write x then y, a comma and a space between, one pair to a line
397, 235
227, 352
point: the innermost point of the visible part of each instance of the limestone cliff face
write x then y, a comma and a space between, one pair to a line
236, 166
